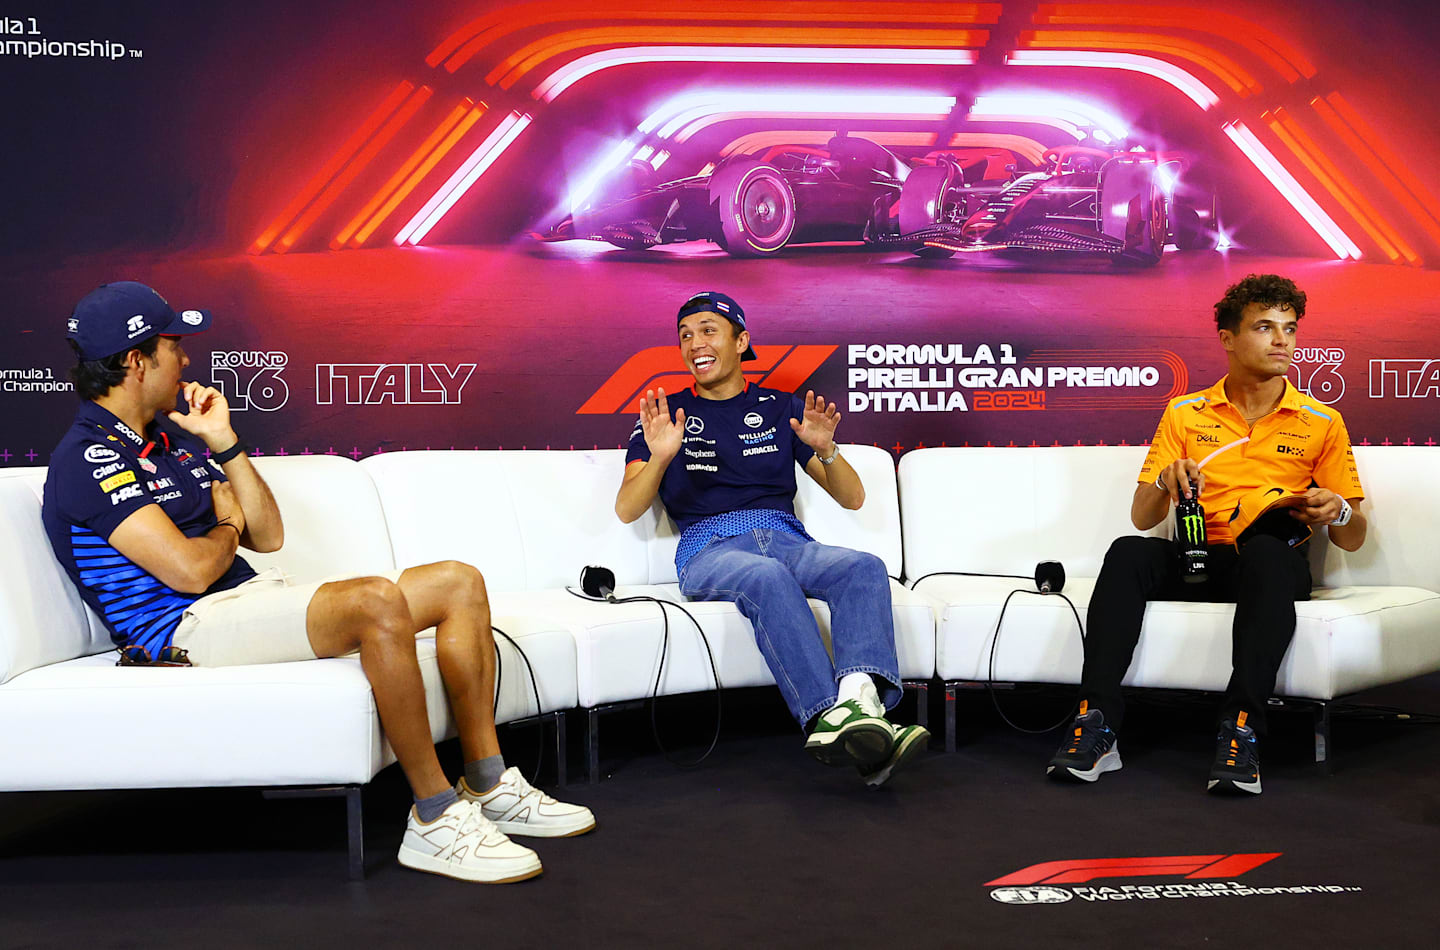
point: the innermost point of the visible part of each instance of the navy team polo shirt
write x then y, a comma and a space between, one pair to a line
736, 469
101, 473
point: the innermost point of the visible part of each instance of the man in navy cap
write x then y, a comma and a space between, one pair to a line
724, 466
148, 530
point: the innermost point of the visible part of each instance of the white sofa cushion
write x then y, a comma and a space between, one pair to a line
42, 618
333, 520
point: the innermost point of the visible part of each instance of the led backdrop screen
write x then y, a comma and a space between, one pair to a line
470, 224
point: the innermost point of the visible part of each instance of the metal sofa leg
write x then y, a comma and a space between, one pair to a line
354, 817
1322, 738
949, 717
355, 831
592, 744
560, 750
921, 691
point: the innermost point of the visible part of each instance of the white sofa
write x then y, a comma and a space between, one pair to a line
528, 520
1374, 617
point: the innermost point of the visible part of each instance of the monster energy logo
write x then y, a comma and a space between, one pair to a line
1194, 528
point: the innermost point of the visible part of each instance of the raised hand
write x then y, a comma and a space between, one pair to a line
662, 435
207, 416
817, 428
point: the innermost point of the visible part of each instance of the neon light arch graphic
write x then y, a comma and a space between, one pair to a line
1070, 25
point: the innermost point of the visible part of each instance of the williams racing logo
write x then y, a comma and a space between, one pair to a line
1200, 876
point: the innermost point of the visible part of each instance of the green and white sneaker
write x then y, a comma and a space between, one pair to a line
854, 732
909, 742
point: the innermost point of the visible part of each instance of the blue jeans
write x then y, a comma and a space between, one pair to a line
768, 574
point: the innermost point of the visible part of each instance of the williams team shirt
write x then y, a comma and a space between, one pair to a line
736, 468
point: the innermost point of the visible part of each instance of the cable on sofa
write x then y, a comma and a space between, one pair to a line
659, 672
534, 688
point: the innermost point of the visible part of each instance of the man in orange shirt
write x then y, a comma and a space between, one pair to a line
1249, 441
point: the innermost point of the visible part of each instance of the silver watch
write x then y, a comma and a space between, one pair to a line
1342, 519
833, 456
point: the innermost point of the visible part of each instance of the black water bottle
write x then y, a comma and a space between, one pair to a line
1190, 536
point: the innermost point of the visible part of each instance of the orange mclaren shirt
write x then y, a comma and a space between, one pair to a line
1302, 442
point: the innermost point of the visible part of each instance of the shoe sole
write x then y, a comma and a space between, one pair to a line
509, 828
1229, 786
912, 745
866, 744
1109, 762
506, 872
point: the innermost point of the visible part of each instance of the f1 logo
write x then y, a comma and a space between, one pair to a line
1189, 865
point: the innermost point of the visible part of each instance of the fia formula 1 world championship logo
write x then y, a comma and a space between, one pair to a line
1204, 875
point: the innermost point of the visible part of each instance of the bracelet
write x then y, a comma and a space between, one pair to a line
833, 456
226, 524
220, 458
1343, 518
1160, 482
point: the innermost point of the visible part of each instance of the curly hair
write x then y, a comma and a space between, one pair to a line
95, 378
1271, 290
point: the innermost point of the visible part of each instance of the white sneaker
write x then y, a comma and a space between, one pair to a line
463, 843
519, 808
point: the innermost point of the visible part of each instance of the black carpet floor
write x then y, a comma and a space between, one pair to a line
761, 846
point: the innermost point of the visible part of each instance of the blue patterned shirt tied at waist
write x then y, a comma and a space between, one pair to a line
729, 524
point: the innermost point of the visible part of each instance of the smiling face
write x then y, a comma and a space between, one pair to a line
1263, 343
711, 348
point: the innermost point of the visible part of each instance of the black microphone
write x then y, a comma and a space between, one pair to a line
598, 582
1050, 577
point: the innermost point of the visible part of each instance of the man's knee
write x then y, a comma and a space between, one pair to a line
464, 581
1130, 549
378, 607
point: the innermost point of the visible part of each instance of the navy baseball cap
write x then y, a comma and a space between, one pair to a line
712, 301
112, 318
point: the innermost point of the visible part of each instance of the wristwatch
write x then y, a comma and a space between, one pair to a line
1342, 519
833, 456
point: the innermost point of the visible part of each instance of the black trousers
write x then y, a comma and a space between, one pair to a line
1263, 580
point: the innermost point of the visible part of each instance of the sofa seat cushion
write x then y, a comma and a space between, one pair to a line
306, 723
618, 646
1346, 639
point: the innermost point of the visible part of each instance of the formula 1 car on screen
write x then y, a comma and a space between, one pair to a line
943, 202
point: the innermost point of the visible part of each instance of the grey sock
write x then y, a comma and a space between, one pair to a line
483, 774
431, 808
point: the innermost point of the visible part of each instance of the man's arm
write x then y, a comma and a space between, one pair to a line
1151, 503
209, 419
817, 430
663, 437
1322, 506
190, 565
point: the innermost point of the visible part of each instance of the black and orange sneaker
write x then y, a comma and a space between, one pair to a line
1237, 759
1090, 750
